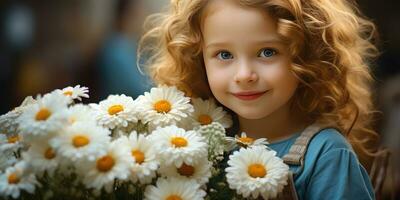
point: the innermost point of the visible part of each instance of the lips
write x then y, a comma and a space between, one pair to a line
249, 95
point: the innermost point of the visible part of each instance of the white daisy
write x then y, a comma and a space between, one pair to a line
206, 112
81, 140
164, 106
114, 164
17, 178
45, 116
80, 113
8, 122
174, 189
7, 152
12, 142
145, 166
7, 159
245, 141
200, 171
42, 157
175, 145
75, 92
256, 171
116, 111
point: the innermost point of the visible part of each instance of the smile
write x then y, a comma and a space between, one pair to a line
249, 95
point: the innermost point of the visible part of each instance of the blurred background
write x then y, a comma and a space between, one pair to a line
52, 44
47, 44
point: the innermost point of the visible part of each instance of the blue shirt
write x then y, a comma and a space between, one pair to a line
331, 169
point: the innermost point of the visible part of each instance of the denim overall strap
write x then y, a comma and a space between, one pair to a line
298, 150
296, 157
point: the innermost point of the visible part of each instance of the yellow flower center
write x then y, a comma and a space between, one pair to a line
49, 153
179, 142
13, 178
68, 93
246, 140
162, 106
257, 171
139, 156
112, 110
80, 141
204, 119
43, 114
13, 139
173, 197
105, 163
186, 170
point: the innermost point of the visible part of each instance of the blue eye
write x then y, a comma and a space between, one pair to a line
224, 55
267, 53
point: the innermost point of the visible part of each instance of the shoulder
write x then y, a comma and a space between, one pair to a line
326, 145
328, 140
329, 161
329, 146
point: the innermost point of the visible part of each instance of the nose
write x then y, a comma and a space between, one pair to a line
245, 72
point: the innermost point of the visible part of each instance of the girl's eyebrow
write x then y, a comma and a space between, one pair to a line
272, 40
216, 44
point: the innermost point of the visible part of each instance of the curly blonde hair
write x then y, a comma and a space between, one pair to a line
331, 44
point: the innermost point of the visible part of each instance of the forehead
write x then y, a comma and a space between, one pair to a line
228, 20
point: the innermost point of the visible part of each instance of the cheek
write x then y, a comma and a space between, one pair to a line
214, 79
217, 81
288, 85
283, 80
280, 74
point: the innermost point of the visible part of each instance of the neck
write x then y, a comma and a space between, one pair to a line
278, 125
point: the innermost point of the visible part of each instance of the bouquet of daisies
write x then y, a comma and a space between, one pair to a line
160, 146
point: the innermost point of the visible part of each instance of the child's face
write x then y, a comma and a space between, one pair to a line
247, 65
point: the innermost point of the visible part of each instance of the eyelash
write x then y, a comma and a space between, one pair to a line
274, 52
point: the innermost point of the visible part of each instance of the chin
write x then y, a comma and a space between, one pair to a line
249, 114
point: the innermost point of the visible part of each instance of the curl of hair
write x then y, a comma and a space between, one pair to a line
332, 48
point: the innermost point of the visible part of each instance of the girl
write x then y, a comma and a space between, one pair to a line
280, 66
